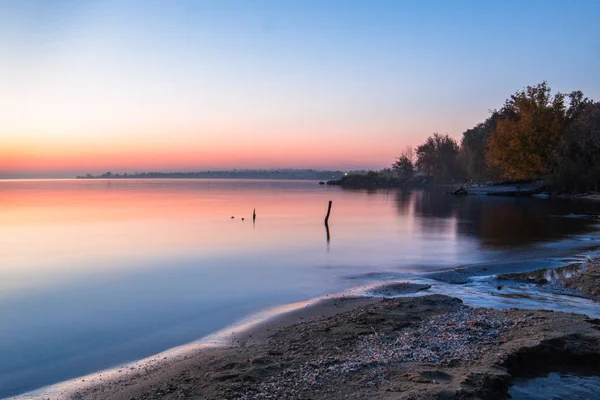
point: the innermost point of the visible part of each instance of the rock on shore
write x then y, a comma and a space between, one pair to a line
577, 279
586, 280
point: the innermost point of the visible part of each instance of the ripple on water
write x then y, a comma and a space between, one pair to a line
556, 386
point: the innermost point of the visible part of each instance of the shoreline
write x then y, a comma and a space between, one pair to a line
517, 188
249, 330
166, 374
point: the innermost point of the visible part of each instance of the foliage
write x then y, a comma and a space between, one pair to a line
529, 131
473, 147
382, 178
404, 167
437, 157
535, 135
578, 154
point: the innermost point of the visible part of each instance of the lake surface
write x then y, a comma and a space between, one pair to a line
96, 273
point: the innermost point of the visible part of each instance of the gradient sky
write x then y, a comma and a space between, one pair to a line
125, 86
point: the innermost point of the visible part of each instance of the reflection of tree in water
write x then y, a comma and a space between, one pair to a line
497, 222
369, 191
520, 222
433, 211
434, 204
403, 201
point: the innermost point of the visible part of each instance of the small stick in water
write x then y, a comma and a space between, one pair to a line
254, 215
328, 212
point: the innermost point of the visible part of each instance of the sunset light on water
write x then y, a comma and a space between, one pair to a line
299, 199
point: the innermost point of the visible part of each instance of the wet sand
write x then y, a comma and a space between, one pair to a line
431, 346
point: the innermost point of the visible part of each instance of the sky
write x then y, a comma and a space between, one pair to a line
129, 86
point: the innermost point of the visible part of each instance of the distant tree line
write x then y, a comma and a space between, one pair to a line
535, 135
308, 174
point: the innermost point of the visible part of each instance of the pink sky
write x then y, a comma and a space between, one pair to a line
189, 85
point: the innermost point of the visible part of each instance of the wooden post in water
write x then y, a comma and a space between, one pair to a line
328, 212
327, 224
254, 215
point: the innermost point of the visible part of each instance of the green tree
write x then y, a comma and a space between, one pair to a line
404, 166
437, 157
473, 147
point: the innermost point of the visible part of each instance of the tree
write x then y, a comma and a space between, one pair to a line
404, 167
437, 157
473, 147
578, 154
528, 131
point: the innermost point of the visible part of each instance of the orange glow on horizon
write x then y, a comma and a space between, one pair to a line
129, 156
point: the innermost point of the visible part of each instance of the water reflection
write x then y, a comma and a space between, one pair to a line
95, 273
495, 221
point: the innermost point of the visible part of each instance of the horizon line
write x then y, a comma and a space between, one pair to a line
66, 176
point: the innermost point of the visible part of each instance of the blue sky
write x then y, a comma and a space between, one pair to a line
241, 81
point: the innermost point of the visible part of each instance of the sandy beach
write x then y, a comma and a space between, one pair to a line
430, 346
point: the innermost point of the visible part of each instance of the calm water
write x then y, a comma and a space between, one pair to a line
96, 273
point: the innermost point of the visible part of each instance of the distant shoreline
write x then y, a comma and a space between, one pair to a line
292, 174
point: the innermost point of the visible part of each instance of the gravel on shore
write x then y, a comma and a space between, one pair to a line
445, 340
